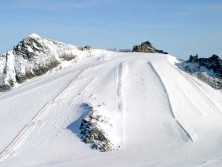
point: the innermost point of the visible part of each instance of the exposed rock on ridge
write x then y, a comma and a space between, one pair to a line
92, 132
147, 48
209, 70
213, 63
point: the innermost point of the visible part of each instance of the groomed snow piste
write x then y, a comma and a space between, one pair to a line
150, 112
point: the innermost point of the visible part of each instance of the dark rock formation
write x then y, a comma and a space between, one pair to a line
147, 47
213, 63
193, 59
144, 47
92, 133
85, 48
208, 70
29, 47
4, 88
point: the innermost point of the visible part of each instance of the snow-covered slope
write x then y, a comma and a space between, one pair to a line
139, 107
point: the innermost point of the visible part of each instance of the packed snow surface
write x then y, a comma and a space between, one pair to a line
150, 112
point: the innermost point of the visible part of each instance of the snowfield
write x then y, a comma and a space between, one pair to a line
141, 105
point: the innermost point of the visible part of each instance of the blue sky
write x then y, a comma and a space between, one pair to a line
181, 27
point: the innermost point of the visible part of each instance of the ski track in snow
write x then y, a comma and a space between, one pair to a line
193, 82
119, 101
32, 86
51, 113
44, 79
141, 96
210, 163
118, 93
30, 127
169, 103
187, 96
38, 118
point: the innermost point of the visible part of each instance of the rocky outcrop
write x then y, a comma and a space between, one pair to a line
85, 48
213, 63
209, 70
144, 47
92, 132
33, 56
147, 47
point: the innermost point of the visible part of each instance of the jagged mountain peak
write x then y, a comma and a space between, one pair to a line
31, 44
32, 56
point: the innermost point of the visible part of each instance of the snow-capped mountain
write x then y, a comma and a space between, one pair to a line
33, 56
105, 108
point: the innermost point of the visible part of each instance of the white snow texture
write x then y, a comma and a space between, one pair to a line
151, 112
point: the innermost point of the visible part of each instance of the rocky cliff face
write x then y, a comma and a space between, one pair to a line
33, 56
213, 63
209, 70
147, 48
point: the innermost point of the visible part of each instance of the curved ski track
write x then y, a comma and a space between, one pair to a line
193, 82
23, 134
169, 103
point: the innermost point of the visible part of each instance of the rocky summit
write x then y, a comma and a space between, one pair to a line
33, 56
147, 47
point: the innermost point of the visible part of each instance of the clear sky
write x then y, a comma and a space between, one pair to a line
181, 27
